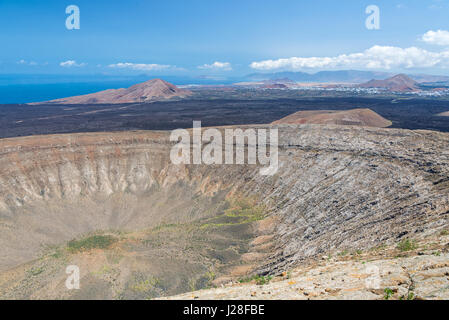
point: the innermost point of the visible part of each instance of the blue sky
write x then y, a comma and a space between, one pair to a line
228, 38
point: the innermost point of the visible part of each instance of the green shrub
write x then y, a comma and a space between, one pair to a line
406, 245
263, 280
260, 280
388, 293
92, 242
36, 271
410, 296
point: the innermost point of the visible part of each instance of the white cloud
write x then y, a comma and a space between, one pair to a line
29, 63
217, 65
71, 63
139, 66
376, 57
439, 37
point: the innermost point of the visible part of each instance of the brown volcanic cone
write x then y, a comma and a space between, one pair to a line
443, 114
400, 82
358, 117
151, 90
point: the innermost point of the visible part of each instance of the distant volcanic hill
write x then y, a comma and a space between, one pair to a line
443, 114
358, 117
151, 90
400, 83
274, 86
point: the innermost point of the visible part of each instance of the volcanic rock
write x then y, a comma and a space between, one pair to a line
150, 90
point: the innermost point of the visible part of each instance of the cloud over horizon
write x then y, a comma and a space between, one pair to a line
139, 66
71, 63
29, 63
217, 65
376, 57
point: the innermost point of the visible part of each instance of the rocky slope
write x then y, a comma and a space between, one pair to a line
150, 90
337, 188
420, 272
358, 117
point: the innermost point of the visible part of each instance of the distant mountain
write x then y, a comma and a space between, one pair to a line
353, 76
428, 78
399, 83
274, 86
357, 117
345, 76
151, 90
283, 83
342, 76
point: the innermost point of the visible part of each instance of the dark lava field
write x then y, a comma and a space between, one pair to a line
25, 120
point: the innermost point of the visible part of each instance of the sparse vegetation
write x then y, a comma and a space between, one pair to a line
410, 296
58, 253
260, 280
91, 242
54, 251
388, 293
210, 275
407, 245
103, 271
192, 284
263, 280
146, 285
240, 211
36, 271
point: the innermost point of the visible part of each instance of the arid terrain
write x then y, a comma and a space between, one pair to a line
407, 271
141, 227
357, 117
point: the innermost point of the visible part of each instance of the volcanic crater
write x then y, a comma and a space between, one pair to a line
139, 226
